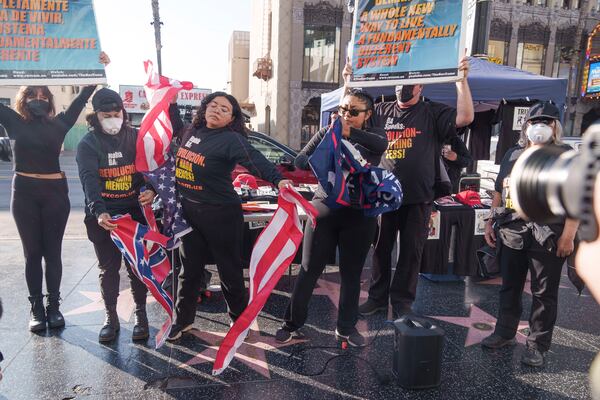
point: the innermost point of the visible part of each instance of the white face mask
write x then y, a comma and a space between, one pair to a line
112, 126
539, 133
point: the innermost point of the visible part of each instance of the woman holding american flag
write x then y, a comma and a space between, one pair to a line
210, 149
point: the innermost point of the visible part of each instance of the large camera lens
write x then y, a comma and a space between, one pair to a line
537, 181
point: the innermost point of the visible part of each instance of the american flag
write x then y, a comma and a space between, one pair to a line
163, 181
156, 131
159, 262
134, 241
273, 252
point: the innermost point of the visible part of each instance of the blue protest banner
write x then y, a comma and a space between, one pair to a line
404, 41
49, 42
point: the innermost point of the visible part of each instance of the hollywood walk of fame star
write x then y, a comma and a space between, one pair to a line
125, 304
526, 288
331, 289
480, 325
252, 352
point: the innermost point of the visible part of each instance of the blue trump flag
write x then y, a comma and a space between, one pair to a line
348, 180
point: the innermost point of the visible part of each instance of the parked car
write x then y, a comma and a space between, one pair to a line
5, 148
280, 155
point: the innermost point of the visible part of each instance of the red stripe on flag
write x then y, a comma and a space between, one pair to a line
286, 238
156, 125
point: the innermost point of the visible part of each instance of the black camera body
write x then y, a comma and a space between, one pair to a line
549, 183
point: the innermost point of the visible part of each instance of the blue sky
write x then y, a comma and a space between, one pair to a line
195, 37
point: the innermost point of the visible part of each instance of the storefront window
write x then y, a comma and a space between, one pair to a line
321, 54
530, 57
497, 51
562, 62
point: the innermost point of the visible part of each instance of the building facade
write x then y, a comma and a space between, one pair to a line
297, 52
238, 74
539, 36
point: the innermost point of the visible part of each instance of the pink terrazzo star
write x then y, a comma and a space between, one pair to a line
332, 290
480, 325
125, 304
252, 352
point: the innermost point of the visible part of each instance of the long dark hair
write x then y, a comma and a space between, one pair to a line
363, 96
26, 92
236, 125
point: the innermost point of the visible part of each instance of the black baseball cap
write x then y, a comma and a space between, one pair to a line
107, 100
543, 109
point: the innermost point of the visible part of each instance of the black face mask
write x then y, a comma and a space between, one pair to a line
404, 94
39, 108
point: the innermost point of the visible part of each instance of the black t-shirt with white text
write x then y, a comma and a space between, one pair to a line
107, 172
206, 159
415, 136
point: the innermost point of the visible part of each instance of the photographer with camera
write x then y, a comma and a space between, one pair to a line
523, 246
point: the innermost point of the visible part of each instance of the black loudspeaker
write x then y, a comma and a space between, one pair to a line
418, 346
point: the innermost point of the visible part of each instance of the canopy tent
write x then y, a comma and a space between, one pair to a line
490, 83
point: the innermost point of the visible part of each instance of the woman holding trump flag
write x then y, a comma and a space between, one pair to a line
346, 228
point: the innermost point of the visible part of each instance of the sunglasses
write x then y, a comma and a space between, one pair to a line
352, 111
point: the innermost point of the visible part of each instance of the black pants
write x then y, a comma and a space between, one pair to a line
109, 262
350, 231
412, 222
41, 208
217, 230
545, 267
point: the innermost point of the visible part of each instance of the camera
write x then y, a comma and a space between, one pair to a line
549, 183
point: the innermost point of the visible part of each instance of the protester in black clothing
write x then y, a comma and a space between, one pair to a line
346, 228
112, 186
415, 130
540, 249
456, 157
210, 149
40, 202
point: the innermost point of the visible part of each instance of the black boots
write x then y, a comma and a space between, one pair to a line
140, 327
53, 314
37, 321
111, 325
108, 333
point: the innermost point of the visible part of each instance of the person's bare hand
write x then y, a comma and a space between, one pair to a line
104, 58
105, 221
490, 235
347, 72
449, 155
146, 197
464, 67
284, 182
565, 246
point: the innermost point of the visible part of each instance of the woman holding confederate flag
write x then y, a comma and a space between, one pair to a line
40, 202
210, 149
112, 186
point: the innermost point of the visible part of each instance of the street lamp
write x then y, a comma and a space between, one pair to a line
157, 25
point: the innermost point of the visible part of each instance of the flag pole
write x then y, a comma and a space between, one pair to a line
156, 22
